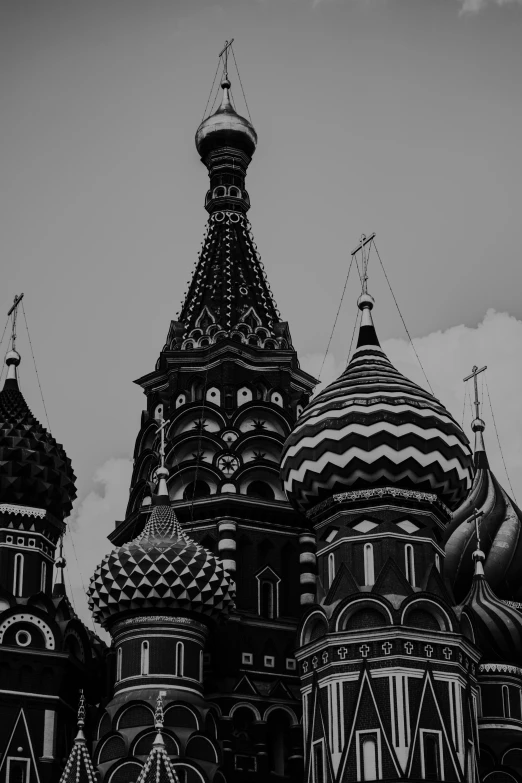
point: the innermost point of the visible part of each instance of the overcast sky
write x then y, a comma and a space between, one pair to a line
402, 117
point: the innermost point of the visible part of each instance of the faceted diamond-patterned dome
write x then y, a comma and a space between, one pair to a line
160, 569
34, 468
373, 427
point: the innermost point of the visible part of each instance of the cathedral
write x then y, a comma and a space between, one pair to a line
312, 589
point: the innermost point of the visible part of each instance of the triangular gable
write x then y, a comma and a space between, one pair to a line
392, 584
367, 712
429, 714
343, 585
245, 686
280, 691
435, 584
20, 736
318, 729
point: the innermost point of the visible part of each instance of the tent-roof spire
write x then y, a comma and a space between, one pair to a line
79, 767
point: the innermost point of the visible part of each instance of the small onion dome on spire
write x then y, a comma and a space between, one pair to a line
226, 128
371, 428
34, 468
496, 625
500, 532
160, 569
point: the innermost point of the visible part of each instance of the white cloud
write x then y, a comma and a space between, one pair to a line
447, 358
473, 6
86, 540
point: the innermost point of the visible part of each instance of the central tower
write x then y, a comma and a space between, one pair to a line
225, 393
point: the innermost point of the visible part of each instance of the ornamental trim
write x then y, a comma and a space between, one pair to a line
25, 511
499, 668
377, 492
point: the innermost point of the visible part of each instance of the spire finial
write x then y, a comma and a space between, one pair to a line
477, 425
59, 564
224, 54
13, 358
158, 719
478, 554
162, 472
80, 736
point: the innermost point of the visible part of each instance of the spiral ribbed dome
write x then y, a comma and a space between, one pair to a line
160, 569
34, 468
497, 626
226, 128
500, 533
371, 428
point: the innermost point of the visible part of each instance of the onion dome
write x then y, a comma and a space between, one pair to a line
371, 428
160, 569
79, 767
34, 468
226, 128
500, 532
497, 626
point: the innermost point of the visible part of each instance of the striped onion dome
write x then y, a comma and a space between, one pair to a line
497, 626
500, 532
373, 427
160, 569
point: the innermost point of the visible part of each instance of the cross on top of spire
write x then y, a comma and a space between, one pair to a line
477, 425
12, 358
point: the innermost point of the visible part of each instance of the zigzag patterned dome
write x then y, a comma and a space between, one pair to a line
34, 468
160, 569
373, 427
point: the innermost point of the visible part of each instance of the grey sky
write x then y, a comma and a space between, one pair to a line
399, 116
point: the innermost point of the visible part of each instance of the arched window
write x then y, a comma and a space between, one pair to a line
260, 489
196, 489
201, 665
505, 701
18, 577
180, 659
437, 562
431, 756
331, 568
266, 599
369, 571
144, 657
119, 655
369, 758
409, 564
43, 577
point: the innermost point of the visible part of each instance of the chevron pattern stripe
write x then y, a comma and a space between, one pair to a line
161, 569
374, 427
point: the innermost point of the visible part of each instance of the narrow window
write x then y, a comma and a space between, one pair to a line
43, 577
431, 757
266, 599
180, 658
409, 564
18, 578
318, 762
144, 657
331, 568
437, 562
17, 770
505, 701
201, 665
369, 758
369, 573
119, 663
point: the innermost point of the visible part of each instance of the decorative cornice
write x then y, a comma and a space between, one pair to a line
25, 511
499, 668
378, 492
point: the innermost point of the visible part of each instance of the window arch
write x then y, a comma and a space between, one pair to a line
369, 758
18, 576
331, 568
43, 577
266, 599
196, 489
369, 568
180, 659
144, 658
119, 660
260, 489
409, 564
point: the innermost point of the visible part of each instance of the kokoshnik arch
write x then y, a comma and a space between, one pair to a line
297, 591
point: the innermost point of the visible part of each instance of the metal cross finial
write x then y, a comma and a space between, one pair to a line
14, 312
224, 53
474, 372
161, 430
365, 258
